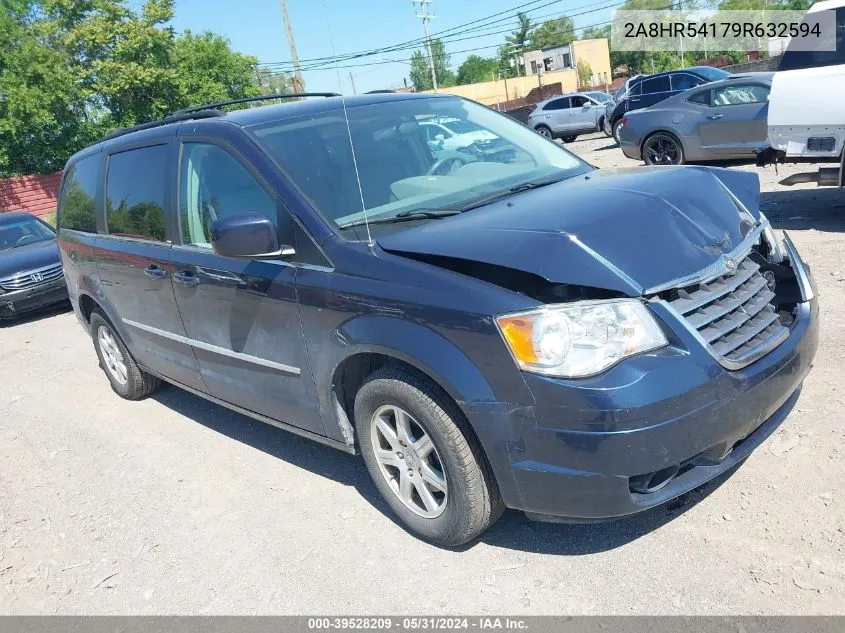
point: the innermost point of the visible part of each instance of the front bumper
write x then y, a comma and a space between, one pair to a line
585, 448
19, 302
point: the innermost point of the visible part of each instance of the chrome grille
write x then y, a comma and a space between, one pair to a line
732, 314
32, 278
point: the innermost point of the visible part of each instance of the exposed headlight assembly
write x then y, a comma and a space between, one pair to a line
580, 339
772, 240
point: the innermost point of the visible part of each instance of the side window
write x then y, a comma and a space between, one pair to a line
557, 104
655, 85
136, 188
213, 184
702, 97
740, 94
683, 81
795, 60
77, 207
578, 102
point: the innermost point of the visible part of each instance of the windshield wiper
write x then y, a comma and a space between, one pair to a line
404, 216
525, 186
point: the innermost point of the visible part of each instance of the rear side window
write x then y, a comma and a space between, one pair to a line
136, 187
77, 208
740, 94
702, 97
655, 84
795, 60
215, 184
557, 104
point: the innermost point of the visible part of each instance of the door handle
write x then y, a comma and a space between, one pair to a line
155, 272
715, 117
187, 278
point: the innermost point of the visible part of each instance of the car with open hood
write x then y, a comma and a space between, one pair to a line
31, 275
516, 329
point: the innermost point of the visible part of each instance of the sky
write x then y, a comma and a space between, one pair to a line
324, 28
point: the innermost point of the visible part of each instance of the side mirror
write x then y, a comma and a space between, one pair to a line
247, 235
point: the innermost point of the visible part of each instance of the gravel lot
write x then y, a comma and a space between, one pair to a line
175, 505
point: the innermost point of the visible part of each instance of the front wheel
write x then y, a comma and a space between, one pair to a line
617, 130
428, 468
662, 149
569, 139
605, 127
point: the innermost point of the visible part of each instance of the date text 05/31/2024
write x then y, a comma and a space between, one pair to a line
720, 29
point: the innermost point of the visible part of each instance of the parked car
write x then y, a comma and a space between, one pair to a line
487, 334
717, 121
647, 90
30, 267
567, 116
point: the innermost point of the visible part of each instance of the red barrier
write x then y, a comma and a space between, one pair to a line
36, 194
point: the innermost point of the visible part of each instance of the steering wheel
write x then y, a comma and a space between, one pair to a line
434, 170
24, 239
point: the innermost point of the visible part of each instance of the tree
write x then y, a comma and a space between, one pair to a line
476, 69
273, 82
596, 32
421, 73
557, 32
70, 70
585, 74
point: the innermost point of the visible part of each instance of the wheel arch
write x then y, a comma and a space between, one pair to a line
668, 132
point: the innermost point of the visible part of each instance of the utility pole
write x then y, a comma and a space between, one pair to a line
423, 14
352, 81
298, 84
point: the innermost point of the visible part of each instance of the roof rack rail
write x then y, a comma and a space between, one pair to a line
287, 95
170, 118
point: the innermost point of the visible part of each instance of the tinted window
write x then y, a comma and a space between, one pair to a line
682, 81
214, 184
702, 97
655, 84
578, 102
136, 186
77, 206
795, 60
23, 231
557, 104
740, 94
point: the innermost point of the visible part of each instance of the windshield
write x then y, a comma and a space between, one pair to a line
601, 97
403, 167
712, 74
23, 231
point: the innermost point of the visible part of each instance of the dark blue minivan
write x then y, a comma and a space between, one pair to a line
488, 329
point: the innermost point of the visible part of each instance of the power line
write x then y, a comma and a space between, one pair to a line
317, 63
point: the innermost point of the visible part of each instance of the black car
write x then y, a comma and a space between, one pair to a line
647, 90
30, 267
488, 331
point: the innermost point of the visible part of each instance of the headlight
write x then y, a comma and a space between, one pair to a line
772, 239
580, 339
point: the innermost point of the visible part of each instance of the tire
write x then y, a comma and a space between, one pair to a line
600, 124
662, 148
111, 352
605, 127
469, 502
545, 131
570, 139
617, 128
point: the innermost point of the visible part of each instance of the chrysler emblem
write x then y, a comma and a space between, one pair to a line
37, 277
730, 264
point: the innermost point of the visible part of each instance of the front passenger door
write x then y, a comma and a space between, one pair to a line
241, 316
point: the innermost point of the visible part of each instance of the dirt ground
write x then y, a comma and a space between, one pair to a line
174, 505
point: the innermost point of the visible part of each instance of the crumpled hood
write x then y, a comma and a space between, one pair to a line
624, 230
28, 257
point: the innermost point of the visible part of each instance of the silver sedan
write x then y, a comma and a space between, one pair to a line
723, 120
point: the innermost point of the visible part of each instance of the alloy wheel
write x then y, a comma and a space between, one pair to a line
408, 461
542, 131
112, 356
661, 150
